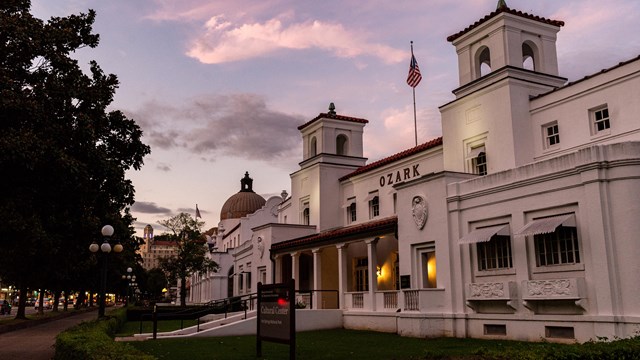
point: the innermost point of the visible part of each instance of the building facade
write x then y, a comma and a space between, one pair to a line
154, 249
520, 222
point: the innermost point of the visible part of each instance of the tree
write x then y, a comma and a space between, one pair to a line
191, 251
62, 154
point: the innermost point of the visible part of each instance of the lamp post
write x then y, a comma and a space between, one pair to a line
105, 249
128, 279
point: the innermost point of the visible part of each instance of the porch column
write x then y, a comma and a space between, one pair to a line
295, 268
278, 272
342, 273
317, 278
373, 270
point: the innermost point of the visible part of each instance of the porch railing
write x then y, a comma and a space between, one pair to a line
357, 300
390, 300
411, 300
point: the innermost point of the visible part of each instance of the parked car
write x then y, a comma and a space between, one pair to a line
30, 301
47, 303
5, 307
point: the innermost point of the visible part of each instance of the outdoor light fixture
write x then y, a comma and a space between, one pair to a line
379, 271
107, 231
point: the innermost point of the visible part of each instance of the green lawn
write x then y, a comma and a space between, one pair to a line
327, 344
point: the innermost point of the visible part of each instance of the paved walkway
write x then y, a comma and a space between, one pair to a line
36, 343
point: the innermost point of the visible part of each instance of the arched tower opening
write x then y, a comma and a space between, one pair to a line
313, 147
342, 143
530, 56
483, 61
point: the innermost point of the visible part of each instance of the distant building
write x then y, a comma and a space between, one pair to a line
155, 249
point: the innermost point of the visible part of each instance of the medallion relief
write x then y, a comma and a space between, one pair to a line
420, 211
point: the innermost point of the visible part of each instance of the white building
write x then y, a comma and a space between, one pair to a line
238, 252
519, 223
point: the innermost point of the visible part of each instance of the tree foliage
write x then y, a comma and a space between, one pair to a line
185, 233
62, 152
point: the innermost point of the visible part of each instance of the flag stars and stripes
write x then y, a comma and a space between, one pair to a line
414, 77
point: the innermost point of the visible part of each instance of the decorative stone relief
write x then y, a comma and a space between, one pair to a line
260, 247
487, 290
420, 211
550, 288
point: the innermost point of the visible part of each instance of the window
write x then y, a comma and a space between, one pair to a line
559, 332
374, 207
361, 274
552, 135
495, 254
351, 213
305, 213
480, 164
428, 260
495, 329
262, 274
600, 119
557, 248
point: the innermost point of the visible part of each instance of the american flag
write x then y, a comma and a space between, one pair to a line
198, 212
414, 73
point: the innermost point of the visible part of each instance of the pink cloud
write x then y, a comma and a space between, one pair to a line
223, 42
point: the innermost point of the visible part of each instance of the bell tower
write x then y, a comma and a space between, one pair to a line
506, 38
331, 148
504, 59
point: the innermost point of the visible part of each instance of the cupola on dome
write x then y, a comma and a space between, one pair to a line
244, 202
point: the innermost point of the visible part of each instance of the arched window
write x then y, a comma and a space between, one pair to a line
341, 145
480, 164
313, 147
483, 61
529, 57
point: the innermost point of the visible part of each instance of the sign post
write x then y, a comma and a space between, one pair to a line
276, 320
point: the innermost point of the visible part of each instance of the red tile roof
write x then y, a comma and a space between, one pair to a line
505, 9
401, 155
333, 116
377, 227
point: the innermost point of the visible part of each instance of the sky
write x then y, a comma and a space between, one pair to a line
219, 87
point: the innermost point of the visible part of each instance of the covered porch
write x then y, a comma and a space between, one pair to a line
351, 268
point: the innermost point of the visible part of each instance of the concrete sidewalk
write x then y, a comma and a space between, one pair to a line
36, 342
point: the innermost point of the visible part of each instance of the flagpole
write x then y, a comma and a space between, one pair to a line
415, 121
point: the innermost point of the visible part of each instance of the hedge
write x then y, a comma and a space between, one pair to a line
94, 341
620, 349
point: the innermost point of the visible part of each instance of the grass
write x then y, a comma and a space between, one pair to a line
327, 344
133, 327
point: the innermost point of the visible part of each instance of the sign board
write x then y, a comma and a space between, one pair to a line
276, 320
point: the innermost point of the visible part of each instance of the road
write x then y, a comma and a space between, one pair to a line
36, 343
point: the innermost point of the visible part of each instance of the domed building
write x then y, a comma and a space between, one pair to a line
245, 202
231, 245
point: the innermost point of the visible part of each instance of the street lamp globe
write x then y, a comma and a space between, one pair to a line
94, 247
117, 248
107, 230
105, 247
